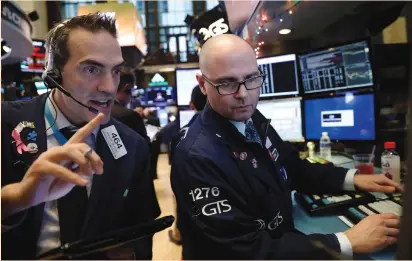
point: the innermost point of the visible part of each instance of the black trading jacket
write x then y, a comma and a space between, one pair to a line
234, 197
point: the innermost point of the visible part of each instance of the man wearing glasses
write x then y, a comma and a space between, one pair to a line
232, 175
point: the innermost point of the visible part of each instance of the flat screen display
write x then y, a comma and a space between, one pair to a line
160, 96
285, 116
185, 82
185, 116
349, 117
281, 75
341, 67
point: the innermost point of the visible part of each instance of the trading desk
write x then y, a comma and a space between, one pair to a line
332, 224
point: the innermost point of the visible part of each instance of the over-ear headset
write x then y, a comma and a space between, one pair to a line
53, 79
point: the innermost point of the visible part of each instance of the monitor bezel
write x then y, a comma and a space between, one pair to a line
160, 105
375, 111
324, 48
297, 72
183, 108
177, 87
283, 99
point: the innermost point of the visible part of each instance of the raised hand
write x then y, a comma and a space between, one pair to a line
50, 176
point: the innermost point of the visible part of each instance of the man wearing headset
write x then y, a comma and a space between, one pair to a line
50, 195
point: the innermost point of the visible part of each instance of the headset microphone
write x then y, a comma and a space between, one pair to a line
55, 84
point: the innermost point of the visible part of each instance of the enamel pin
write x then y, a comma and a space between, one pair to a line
254, 163
243, 155
20, 135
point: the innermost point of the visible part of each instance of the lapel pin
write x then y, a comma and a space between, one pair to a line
271, 156
236, 154
32, 148
243, 155
125, 193
254, 163
31, 136
275, 154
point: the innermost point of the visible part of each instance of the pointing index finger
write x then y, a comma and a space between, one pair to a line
87, 129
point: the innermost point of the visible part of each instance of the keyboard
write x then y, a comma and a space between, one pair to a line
328, 204
389, 204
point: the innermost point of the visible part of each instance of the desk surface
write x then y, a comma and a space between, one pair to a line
332, 224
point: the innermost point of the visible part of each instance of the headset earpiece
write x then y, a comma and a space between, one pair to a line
52, 79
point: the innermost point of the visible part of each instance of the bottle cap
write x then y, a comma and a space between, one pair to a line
389, 145
324, 133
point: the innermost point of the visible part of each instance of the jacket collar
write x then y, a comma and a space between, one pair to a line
228, 131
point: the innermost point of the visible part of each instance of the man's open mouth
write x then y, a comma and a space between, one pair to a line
101, 103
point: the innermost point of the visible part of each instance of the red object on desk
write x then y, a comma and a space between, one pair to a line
365, 168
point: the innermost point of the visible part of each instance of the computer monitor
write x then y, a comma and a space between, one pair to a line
341, 67
36, 62
286, 117
160, 96
41, 87
281, 75
185, 82
348, 117
185, 115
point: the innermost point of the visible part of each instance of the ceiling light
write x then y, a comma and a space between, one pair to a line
285, 31
257, 48
290, 12
281, 19
266, 29
263, 42
260, 27
257, 32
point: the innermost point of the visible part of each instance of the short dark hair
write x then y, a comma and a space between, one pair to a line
126, 78
57, 38
198, 98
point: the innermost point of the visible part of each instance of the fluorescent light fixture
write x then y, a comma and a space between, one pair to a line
285, 31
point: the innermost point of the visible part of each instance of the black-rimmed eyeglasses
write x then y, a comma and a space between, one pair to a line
228, 88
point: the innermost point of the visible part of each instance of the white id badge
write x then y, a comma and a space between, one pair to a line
114, 142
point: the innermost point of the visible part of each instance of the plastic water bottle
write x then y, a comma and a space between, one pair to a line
391, 162
325, 147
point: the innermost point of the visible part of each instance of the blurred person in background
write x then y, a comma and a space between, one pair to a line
129, 117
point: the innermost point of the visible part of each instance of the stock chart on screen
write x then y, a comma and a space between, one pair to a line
341, 67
